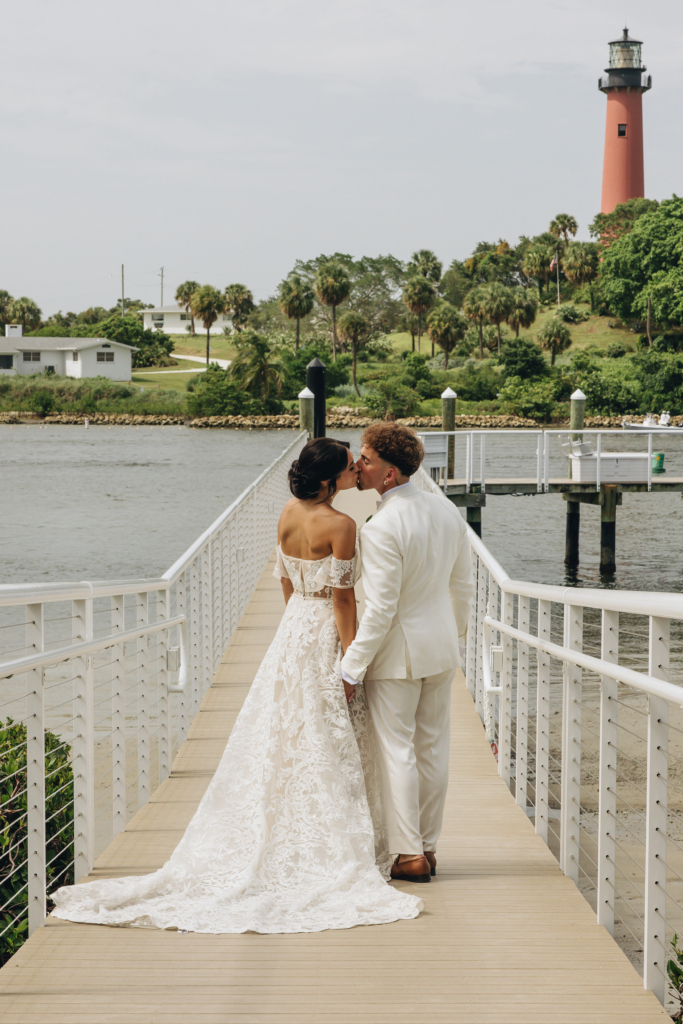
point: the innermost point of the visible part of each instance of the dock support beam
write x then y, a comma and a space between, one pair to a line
571, 541
474, 519
608, 529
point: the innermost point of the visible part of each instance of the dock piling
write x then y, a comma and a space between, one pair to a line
608, 529
448, 399
573, 524
315, 382
307, 411
474, 518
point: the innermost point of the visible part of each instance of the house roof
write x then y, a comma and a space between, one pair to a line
175, 308
28, 344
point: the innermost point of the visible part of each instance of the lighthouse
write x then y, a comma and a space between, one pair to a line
624, 82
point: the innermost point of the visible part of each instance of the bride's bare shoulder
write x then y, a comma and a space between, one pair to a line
342, 536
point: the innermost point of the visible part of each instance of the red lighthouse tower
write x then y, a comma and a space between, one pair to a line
625, 82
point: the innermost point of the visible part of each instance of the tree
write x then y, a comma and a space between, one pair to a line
296, 300
332, 286
419, 295
645, 264
183, 296
207, 305
607, 227
24, 311
389, 398
353, 328
554, 336
537, 265
498, 303
213, 393
256, 372
474, 308
239, 302
446, 326
523, 358
563, 226
523, 310
408, 324
425, 263
581, 263
153, 347
6, 301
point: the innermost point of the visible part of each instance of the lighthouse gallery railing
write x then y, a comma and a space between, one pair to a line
116, 671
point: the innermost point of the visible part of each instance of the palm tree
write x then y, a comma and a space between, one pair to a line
474, 308
446, 326
253, 369
207, 305
295, 299
419, 295
563, 226
332, 285
425, 263
536, 264
183, 296
239, 302
581, 264
524, 310
353, 328
24, 311
499, 301
554, 337
6, 301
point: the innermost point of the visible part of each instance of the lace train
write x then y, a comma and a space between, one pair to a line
289, 836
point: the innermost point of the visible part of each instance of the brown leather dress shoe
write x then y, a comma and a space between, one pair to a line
432, 861
416, 869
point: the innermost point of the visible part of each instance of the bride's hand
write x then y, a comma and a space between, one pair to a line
349, 691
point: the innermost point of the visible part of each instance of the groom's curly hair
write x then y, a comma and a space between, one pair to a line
396, 444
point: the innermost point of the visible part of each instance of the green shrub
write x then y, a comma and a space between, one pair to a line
535, 399
571, 314
13, 828
523, 358
388, 397
476, 382
87, 395
42, 401
616, 350
213, 393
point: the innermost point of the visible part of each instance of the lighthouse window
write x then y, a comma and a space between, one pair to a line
621, 131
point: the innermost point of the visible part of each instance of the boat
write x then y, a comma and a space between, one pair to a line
653, 425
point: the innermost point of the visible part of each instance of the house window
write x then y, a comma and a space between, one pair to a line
105, 357
6, 362
621, 131
31, 357
185, 316
157, 318
75, 357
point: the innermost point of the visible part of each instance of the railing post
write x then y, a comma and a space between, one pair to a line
195, 637
472, 634
84, 746
118, 721
35, 773
607, 787
163, 706
185, 697
542, 723
142, 614
655, 954
505, 713
207, 621
479, 696
522, 739
570, 810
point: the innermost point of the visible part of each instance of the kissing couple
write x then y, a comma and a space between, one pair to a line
333, 781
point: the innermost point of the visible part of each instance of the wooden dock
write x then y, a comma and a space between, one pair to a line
505, 937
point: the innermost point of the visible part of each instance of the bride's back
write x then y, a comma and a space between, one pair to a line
307, 531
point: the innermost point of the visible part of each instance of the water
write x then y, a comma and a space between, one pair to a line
108, 503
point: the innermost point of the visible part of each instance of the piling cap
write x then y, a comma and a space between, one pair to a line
316, 362
306, 393
578, 396
449, 393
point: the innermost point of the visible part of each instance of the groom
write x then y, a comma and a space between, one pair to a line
417, 578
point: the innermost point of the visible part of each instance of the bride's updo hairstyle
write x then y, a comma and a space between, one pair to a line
323, 458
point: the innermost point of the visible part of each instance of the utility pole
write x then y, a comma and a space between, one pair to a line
161, 275
123, 293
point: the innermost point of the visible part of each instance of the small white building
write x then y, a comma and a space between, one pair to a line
68, 357
174, 320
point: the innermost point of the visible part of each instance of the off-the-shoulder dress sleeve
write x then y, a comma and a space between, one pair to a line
280, 570
344, 574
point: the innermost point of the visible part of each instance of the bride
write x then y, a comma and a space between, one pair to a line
289, 836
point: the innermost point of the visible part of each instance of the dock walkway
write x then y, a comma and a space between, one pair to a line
505, 936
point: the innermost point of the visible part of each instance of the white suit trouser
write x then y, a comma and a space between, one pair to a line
411, 718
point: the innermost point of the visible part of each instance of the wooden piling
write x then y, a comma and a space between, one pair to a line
608, 529
307, 411
448, 399
474, 519
315, 382
573, 523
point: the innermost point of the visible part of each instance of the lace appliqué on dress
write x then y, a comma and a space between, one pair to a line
289, 836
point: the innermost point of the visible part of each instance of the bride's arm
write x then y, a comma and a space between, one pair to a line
287, 588
344, 597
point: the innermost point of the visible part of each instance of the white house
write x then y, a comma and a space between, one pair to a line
174, 320
69, 357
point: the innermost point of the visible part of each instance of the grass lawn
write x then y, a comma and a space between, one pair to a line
222, 347
162, 381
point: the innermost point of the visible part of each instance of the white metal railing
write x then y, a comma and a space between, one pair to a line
470, 452
116, 671
580, 694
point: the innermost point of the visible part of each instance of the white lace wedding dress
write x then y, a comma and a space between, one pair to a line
289, 836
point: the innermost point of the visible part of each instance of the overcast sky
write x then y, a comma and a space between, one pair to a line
224, 140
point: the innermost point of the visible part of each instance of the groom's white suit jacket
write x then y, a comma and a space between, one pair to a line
417, 578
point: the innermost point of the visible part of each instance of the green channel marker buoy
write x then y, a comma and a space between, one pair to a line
658, 462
